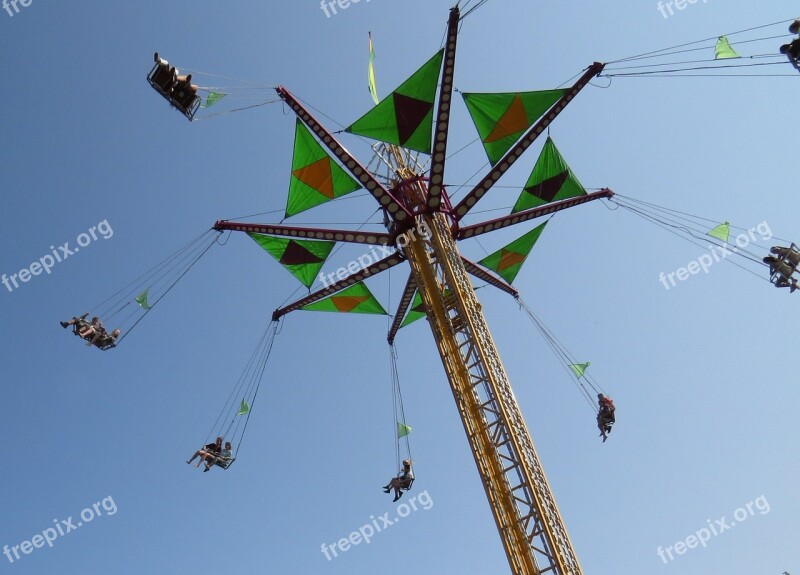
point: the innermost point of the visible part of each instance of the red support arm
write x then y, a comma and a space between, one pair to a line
484, 275
402, 308
525, 215
443, 114
355, 237
377, 267
530, 136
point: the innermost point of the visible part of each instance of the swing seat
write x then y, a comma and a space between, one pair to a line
224, 463
104, 343
177, 90
406, 486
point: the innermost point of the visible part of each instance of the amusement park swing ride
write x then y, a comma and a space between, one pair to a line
423, 228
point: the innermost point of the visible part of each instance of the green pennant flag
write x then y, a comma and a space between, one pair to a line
355, 299
507, 261
405, 117
303, 258
316, 178
721, 232
141, 299
501, 119
373, 87
723, 49
211, 99
244, 409
579, 368
551, 180
402, 430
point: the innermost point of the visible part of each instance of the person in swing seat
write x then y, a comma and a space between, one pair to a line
223, 459
212, 450
605, 415
402, 481
782, 272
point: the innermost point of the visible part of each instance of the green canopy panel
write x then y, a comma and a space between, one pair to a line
355, 299
507, 261
405, 117
551, 180
415, 311
303, 258
316, 178
501, 119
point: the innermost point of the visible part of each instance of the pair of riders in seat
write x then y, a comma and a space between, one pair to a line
93, 332
782, 266
214, 454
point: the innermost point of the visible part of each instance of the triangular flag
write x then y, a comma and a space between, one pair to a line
721, 232
373, 87
579, 368
405, 117
303, 258
551, 180
724, 50
141, 299
507, 261
316, 178
244, 409
212, 99
501, 119
402, 430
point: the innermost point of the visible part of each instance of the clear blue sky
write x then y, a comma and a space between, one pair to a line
703, 374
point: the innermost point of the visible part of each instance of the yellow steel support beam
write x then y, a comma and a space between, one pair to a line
523, 506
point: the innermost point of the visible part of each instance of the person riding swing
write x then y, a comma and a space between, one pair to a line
402, 482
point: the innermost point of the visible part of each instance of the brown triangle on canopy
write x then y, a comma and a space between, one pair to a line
508, 259
409, 112
295, 254
548, 189
347, 303
514, 120
317, 175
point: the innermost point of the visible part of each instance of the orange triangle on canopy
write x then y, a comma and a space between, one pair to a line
347, 303
509, 259
318, 176
514, 120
